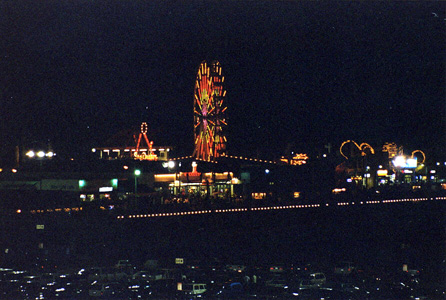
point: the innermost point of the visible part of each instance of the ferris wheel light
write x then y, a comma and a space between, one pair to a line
144, 127
209, 116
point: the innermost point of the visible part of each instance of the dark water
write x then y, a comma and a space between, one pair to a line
379, 237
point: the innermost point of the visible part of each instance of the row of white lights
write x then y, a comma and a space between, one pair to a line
286, 207
50, 210
217, 211
406, 200
230, 210
389, 201
197, 212
236, 209
40, 154
251, 159
272, 208
65, 209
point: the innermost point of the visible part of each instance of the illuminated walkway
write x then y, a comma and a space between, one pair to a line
279, 207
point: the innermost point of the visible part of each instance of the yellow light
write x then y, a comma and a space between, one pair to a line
382, 172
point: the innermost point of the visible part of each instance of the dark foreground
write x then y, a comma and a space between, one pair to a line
379, 239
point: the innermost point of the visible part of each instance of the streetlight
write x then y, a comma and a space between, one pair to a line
137, 173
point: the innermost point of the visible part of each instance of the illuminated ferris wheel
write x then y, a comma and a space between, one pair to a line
209, 112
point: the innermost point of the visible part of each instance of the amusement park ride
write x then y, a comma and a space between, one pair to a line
142, 149
209, 112
149, 155
357, 155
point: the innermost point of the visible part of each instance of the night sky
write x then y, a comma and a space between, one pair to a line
298, 74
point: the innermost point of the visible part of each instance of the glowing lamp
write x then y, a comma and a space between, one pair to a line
30, 154
40, 154
411, 163
81, 183
114, 182
399, 161
137, 172
382, 172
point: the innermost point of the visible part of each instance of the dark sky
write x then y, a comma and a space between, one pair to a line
298, 74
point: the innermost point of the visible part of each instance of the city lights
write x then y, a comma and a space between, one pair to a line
39, 154
401, 161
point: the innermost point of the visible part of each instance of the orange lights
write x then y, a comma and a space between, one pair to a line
390, 148
144, 156
296, 160
361, 148
422, 154
258, 196
338, 190
301, 156
165, 177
